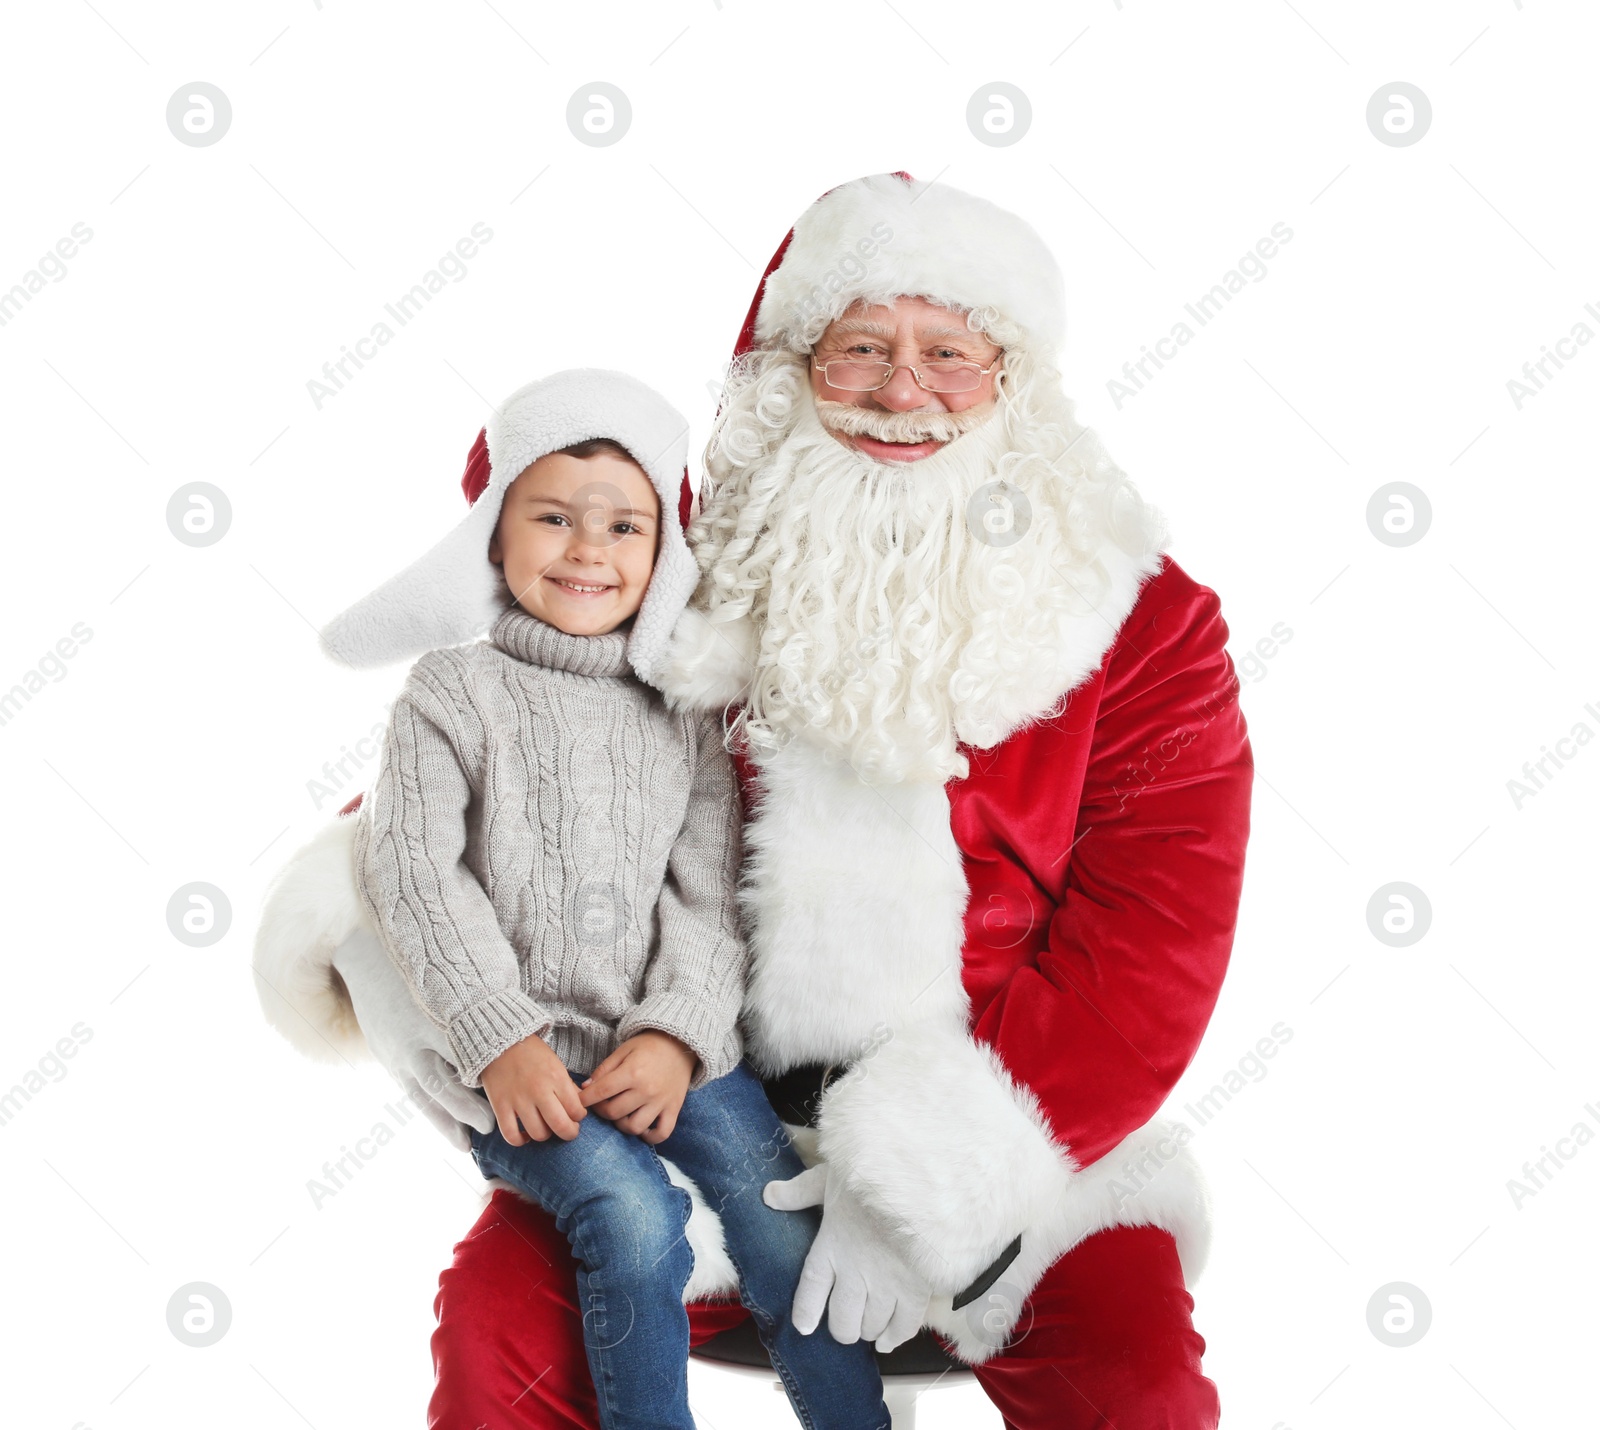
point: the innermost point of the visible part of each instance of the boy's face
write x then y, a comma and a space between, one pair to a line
577, 541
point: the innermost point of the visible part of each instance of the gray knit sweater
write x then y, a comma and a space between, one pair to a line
548, 849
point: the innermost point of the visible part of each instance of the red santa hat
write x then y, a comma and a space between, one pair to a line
454, 593
885, 236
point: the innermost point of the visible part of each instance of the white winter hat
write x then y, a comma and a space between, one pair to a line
884, 237
454, 593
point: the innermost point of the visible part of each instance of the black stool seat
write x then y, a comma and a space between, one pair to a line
741, 1345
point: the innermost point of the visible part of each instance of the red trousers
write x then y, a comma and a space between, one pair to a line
1105, 1340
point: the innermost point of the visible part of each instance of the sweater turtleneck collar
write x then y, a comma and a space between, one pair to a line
529, 639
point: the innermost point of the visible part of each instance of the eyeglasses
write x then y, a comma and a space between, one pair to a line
855, 375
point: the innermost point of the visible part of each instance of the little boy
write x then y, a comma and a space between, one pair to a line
550, 856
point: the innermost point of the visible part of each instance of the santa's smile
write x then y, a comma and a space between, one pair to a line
881, 451
583, 590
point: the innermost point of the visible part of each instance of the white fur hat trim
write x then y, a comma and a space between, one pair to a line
883, 237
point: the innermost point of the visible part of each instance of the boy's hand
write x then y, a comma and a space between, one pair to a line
528, 1084
641, 1086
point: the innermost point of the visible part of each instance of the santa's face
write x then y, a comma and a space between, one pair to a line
909, 333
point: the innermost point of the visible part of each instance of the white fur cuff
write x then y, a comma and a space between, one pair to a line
709, 663
932, 1134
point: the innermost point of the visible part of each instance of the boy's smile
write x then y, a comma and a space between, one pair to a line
574, 586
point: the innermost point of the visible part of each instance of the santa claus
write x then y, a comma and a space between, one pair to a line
997, 795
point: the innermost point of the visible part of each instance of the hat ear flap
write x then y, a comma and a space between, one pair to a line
445, 597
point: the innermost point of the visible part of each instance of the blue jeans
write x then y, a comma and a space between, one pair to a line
610, 1196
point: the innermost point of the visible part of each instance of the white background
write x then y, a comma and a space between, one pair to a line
1166, 139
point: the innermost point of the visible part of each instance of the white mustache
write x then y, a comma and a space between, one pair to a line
851, 421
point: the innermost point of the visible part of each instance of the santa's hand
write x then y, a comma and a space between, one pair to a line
869, 1291
406, 1041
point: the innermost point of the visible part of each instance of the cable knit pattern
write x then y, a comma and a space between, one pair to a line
548, 849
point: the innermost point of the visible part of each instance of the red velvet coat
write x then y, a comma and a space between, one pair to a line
1083, 880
